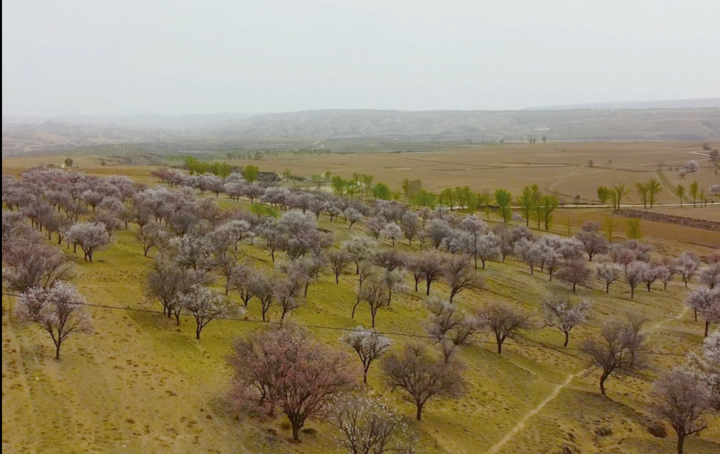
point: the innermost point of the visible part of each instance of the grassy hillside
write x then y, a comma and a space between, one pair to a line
140, 384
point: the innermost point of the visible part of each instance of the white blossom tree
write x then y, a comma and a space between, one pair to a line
91, 237
369, 345
608, 273
367, 426
205, 306
392, 232
707, 303
59, 310
681, 399
560, 313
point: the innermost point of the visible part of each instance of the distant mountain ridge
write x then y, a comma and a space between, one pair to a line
557, 125
701, 124
699, 103
134, 121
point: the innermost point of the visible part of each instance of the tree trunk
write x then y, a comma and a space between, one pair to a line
57, 350
567, 338
306, 288
197, 332
603, 377
296, 432
418, 414
574, 285
499, 348
681, 441
428, 288
707, 325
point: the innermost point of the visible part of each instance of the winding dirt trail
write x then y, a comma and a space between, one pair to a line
556, 391
521, 424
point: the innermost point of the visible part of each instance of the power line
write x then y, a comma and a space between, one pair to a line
334, 328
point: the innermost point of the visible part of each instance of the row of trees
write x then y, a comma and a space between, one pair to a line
647, 193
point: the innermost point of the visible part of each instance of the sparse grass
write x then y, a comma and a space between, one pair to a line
141, 384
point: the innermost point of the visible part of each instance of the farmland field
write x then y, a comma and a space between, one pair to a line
140, 384
562, 168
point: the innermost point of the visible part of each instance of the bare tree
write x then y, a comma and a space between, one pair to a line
450, 327
634, 275
505, 322
608, 273
152, 235
365, 272
281, 367
431, 264
369, 345
592, 243
559, 313
423, 377
388, 259
459, 276
338, 260
243, 279
59, 310
680, 399
264, 288
287, 293
411, 225
30, 263
376, 294
619, 350
575, 272
165, 280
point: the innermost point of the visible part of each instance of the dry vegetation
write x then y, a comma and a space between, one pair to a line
139, 384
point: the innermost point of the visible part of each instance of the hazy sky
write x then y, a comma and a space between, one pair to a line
175, 57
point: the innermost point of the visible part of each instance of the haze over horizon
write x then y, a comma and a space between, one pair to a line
85, 58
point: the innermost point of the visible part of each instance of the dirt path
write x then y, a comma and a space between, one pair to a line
521, 424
